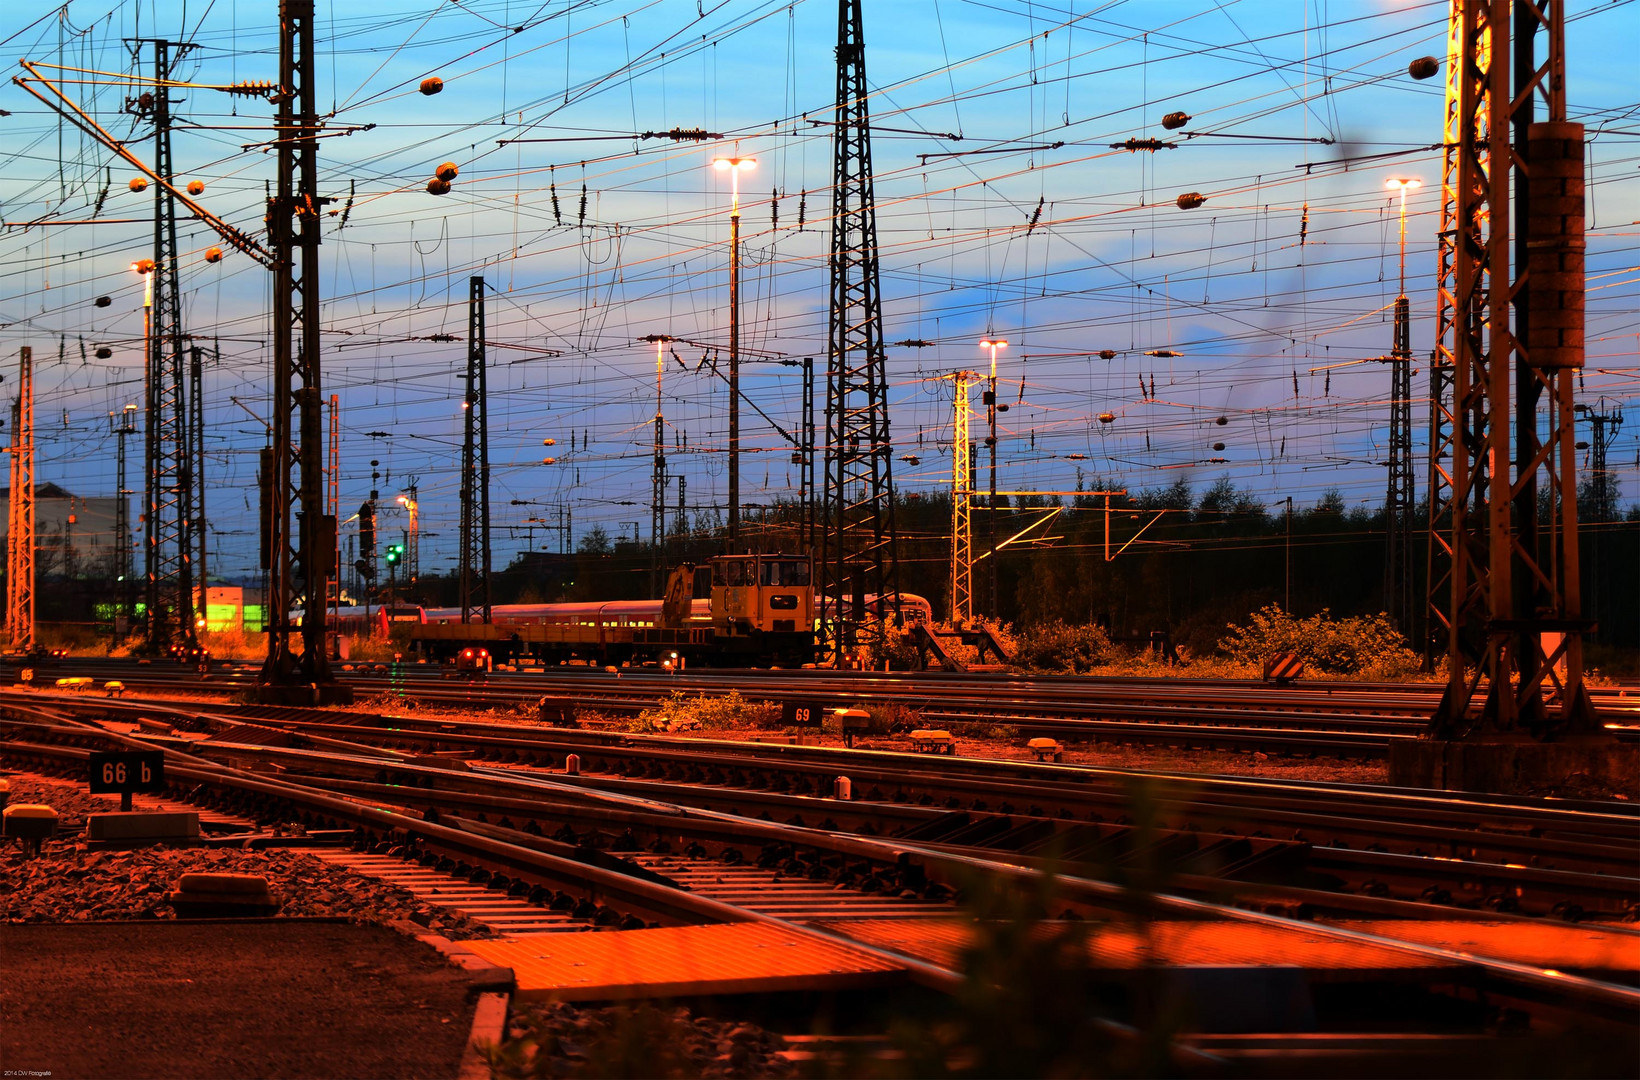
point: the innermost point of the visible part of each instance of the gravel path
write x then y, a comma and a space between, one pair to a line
69, 883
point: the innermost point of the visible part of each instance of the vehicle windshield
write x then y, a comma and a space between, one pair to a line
785, 572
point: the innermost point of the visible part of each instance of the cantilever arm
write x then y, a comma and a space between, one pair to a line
74, 115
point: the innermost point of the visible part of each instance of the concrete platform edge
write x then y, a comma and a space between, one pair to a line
489, 1029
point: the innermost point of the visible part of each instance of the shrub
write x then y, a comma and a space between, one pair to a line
1358, 645
889, 646
1060, 647
726, 711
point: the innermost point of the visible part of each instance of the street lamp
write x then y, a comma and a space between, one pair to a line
733, 165
412, 540
991, 441
1404, 184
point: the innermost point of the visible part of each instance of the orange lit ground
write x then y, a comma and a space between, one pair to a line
1549, 945
735, 958
759, 958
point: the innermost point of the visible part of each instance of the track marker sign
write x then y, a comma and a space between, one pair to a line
125, 772
802, 713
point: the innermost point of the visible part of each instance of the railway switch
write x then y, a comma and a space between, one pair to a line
933, 741
1046, 748
851, 721
30, 824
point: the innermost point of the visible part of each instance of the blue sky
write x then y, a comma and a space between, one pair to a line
1274, 291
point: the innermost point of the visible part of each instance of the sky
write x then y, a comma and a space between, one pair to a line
1002, 210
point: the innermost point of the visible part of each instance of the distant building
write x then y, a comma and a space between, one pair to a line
73, 534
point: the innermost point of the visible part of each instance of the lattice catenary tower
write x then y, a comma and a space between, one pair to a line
857, 541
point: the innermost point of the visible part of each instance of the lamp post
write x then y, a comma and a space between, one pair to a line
991, 442
1403, 184
412, 542
733, 165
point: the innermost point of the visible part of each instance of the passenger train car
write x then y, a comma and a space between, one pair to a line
738, 610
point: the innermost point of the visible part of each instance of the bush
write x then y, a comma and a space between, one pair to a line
727, 711
885, 646
1359, 645
1060, 647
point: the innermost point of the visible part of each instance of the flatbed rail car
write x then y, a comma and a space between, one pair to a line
759, 609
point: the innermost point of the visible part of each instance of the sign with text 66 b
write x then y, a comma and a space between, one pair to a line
127, 771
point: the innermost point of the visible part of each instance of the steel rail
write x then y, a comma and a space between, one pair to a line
1610, 1003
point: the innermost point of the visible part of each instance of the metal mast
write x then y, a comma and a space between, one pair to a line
962, 490
196, 470
657, 490
1398, 497
475, 467
857, 541
1442, 418
168, 518
1602, 490
1602, 486
333, 499
1517, 341
121, 424
299, 538
20, 530
804, 459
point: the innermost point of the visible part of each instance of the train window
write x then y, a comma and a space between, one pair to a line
731, 572
786, 572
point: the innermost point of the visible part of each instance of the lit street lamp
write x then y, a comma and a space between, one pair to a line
733, 165
412, 541
1404, 184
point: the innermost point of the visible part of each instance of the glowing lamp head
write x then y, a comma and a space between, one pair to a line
993, 343
1403, 183
736, 163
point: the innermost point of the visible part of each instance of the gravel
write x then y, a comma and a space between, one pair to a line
70, 883
561, 1040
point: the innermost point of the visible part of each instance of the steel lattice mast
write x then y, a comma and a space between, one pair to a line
962, 494
1442, 421
857, 540
121, 424
1398, 498
299, 538
475, 467
168, 518
20, 529
1517, 333
196, 467
657, 477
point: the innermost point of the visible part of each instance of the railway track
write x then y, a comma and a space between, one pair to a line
611, 852
1311, 843
1340, 719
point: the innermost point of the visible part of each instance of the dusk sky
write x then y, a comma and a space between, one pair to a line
1276, 292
